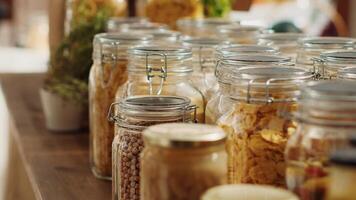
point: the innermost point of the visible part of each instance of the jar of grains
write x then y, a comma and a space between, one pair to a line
136, 114
203, 62
326, 118
161, 70
181, 161
108, 73
347, 73
311, 47
224, 51
287, 43
226, 69
240, 34
327, 65
257, 134
202, 27
115, 24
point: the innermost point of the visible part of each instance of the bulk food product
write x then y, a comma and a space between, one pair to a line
108, 72
177, 161
326, 117
257, 134
136, 114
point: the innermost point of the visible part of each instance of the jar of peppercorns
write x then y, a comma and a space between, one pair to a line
135, 114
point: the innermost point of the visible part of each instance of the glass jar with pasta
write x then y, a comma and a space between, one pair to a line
257, 133
241, 34
107, 74
161, 70
202, 27
326, 118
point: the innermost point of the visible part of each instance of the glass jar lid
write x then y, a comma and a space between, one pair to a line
236, 49
203, 42
344, 157
143, 27
114, 24
165, 35
180, 135
257, 59
326, 43
170, 51
340, 57
240, 29
281, 37
208, 22
347, 73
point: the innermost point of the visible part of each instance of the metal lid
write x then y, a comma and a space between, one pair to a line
209, 22
231, 50
179, 135
203, 41
347, 73
341, 56
240, 29
344, 157
327, 42
114, 23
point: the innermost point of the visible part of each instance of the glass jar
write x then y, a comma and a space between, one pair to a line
108, 73
136, 114
311, 47
326, 117
202, 27
143, 27
247, 192
347, 73
181, 161
203, 62
342, 175
161, 70
240, 34
224, 51
257, 133
115, 24
168, 12
287, 43
165, 37
328, 64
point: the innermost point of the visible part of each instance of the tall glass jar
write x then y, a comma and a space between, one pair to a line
203, 62
240, 34
328, 64
161, 70
136, 114
115, 24
181, 161
311, 47
287, 43
108, 73
347, 73
257, 133
202, 27
224, 51
326, 117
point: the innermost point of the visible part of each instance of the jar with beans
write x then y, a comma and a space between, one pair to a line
135, 114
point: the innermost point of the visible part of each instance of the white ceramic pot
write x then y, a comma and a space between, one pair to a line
61, 114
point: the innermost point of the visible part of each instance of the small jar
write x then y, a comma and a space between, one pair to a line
257, 133
240, 34
326, 118
347, 73
182, 161
224, 51
136, 114
311, 47
328, 64
287, 43
203, 62
342, 175
161, 70
247, 192
202, 27
115, 24
108, 73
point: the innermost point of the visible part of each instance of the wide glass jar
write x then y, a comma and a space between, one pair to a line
347, 73
108, 73
161, 70
115, 24
202, 27
257, 133
135, 115
203, 62
240, 34
182, 161
224, 51
311, 47
326, 117
328, 64
287, 43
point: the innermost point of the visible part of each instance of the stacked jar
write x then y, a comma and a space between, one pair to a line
202, 27
226, 69
326, 117
182, 161
135, 114
108, 73
240, 34
161, 70
257, 133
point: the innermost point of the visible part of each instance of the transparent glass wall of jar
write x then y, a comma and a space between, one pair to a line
181, 161
257, 133
240, 34
161, 70
202, 27
311, 47
136, 114
108, 73
115, 24
287, 43
326, 117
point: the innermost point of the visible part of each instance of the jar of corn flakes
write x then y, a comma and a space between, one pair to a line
257, 133
241, 34
326, 118
202, 27
347, 73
